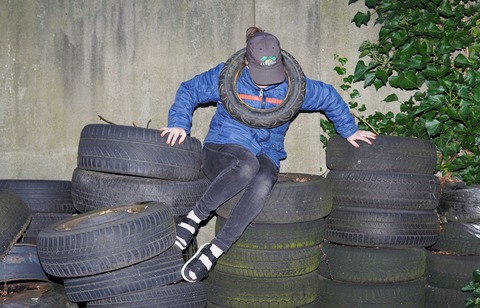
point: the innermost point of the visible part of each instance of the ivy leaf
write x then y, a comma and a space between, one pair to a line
461, 61
361, 18
369, 79
406, 81
371, 4
433, 127
476, 94
360, 70
399, 37
391, 98
445, 9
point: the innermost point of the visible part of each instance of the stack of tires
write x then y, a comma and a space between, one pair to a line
129, 187
122, 256
383, 217
456, 254
274, 262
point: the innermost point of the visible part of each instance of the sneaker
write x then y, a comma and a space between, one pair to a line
185, 232
200, 264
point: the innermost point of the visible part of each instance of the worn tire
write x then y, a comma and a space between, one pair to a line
42, 196
22, 264
233, 291
39, 222
460, 238
294, 198
387, 190
179, 295
385, 154
383, 228
269, 263
450, 271
94, 190
106, 239
257, 117
158, 271
279, 236
14, 219
340, 294
461, 203
371, 265
131, 150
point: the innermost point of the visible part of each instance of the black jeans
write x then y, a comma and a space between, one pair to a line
233, 168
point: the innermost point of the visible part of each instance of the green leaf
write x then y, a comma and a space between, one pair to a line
391, 98
361, 18
360, 70
371, 4
461, 61
433, 127
445, 9
399, 37
369, 79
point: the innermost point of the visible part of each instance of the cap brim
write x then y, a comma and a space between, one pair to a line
267, 75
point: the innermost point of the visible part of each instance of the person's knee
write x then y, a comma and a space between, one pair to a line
248, 168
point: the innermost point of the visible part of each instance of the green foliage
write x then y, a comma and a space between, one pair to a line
430, 47
473, 287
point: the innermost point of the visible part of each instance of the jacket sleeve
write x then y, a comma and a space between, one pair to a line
320, 96
202, 88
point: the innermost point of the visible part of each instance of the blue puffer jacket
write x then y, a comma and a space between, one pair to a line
224, 129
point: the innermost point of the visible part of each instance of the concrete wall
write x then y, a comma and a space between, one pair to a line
63, 62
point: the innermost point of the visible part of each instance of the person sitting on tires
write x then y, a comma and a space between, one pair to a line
237, 157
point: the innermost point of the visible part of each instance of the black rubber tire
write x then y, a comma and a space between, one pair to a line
179, 295
233, 291
294, 198
385, 154
14, 219
459, 238
158, 271
269, 263
42, 196
22, 264
440, 297
382, 228
387, 190
131, 150
459, 202
371, 265
106, 239
94, 190
450, 271
39, 222
255, 117
279, 236
339, 294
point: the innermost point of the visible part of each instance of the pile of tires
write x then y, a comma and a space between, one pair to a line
273, 264
456, 254
383, 217
122, 256
129, 188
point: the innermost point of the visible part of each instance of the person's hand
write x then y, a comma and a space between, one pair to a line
361, 135
173, 134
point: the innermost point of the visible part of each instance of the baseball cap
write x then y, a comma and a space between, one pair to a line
264, 57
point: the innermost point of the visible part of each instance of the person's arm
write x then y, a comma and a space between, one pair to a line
202, 88
323, 97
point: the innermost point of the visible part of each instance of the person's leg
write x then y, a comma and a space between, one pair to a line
249, 205
231, 168
244, 212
